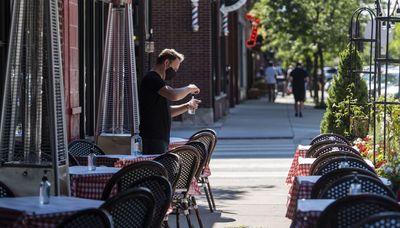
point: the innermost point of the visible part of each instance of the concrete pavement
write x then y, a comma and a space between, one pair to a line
249, 166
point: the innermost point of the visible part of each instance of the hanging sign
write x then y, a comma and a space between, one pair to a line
251, 42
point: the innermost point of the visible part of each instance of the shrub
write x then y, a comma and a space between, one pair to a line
347, 87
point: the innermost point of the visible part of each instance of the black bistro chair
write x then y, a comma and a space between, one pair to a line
380, 220
88, 218
336, 163
209, 138
182, 201
172, 163
5, 191
339, 188
162, 192
330, 136
321, 160
130, 174
349, 210
316, 146
335, 147
132, 208
82, 148
328, 178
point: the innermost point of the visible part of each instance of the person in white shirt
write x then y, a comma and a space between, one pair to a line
270, 79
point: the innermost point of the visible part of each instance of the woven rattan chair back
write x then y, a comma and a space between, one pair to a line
131, 208
5, 191
311, 151
82, 148
190, 161
128, 175
88, 218
330, 136
328, 178
348, 211
72, 160
336, 163
339, 188
380, 220
162, 192
321, 160
202, 150
335, 147
172, 163
208, 138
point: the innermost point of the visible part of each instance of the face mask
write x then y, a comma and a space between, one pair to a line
170, 73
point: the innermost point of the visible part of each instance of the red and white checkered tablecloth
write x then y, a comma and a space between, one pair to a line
46, 220
89, 186
100, 161
300, 152
297, 191
307, 219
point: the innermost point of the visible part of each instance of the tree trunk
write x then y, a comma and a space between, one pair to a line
315, 78
321, 65
309, 67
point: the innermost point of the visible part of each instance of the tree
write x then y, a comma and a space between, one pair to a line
347, 88
306, 30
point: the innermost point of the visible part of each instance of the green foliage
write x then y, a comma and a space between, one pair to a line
294, 28
347, 90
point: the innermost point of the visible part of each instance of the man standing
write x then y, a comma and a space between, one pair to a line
154, 97
298, 78
270, 79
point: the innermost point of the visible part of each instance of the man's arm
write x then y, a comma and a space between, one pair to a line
176, 94
177, 110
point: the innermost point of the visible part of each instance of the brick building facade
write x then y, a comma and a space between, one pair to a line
217, 64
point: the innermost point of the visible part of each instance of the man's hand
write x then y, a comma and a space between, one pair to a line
194, 104
193, 89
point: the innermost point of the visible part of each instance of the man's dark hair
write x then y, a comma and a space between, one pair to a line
169, 54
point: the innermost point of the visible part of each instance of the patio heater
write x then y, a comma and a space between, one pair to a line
32, 125
118, 114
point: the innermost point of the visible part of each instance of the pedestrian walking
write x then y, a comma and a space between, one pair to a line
299, 78
154, 97
270, 80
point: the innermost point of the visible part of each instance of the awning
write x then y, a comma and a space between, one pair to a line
231, 5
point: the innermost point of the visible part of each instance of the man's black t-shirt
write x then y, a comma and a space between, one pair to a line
299, 76
155, 114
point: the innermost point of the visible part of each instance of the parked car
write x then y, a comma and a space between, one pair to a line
329, 73
393, 75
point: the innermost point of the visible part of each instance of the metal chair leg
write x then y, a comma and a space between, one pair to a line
211, 195
207, 195
177, 217
196, 209
187, 214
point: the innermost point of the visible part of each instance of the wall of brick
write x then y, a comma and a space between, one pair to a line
172, 25
69, 29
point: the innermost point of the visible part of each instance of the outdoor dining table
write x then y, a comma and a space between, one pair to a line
114, 160
90, 184
308, 212
301, 189
47, 215
301, 151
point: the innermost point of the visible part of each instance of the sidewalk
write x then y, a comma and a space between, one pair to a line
256, 142
258, 119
